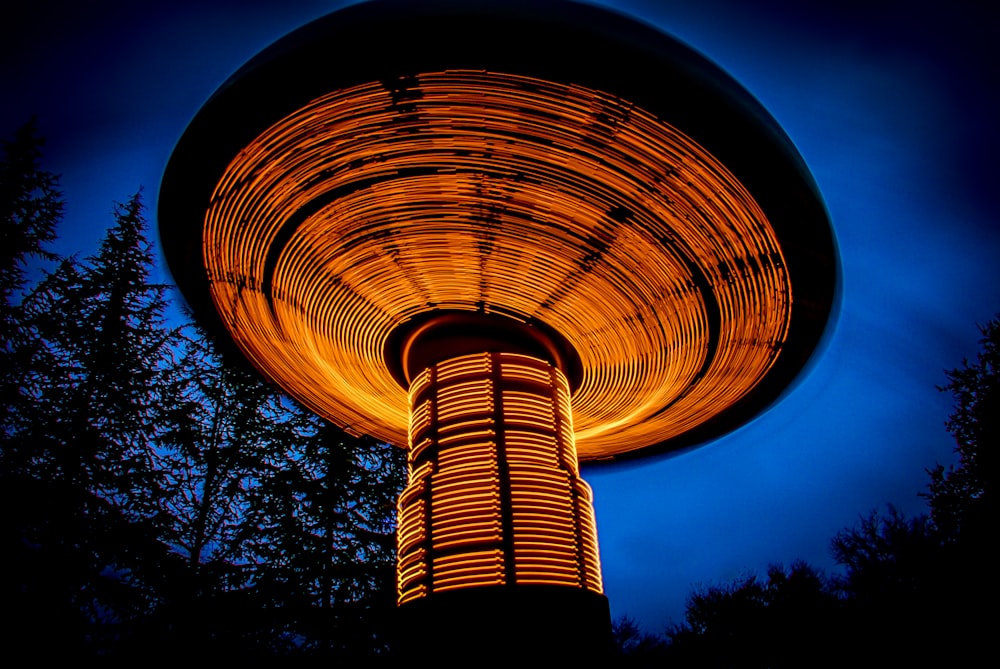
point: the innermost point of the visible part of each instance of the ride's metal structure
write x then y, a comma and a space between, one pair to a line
511, 238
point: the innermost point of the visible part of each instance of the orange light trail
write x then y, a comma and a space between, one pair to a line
494, 494
489, 192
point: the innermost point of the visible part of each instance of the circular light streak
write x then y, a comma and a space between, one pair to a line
506, 194
587, 177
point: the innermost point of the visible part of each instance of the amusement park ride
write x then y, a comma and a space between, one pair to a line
510, 238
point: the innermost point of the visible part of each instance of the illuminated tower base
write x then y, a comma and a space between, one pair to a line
497, 546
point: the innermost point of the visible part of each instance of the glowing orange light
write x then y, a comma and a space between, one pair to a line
439, 242
494, 494
495, 193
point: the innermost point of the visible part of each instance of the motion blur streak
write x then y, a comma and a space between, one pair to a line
482, 191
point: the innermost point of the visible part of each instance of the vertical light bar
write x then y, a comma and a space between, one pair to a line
494, 494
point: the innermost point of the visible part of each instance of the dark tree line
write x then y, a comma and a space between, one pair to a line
915, 591
157, 501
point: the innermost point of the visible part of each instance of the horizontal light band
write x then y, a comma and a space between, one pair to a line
503, 505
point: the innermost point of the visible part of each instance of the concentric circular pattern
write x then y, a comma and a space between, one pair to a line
490, 192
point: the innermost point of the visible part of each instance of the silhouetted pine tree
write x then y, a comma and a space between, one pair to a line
223, 433
916, 588
89, 484
327, 542
779, 621
103, 322
160, 501
916, 591
31, 207
895, 587
963, 497
281, 526
635, 647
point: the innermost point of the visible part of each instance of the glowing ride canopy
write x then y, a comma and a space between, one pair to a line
590, 177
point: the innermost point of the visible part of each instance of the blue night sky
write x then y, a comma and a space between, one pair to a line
892, 105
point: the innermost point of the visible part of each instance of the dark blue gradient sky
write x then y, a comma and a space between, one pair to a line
893, 106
